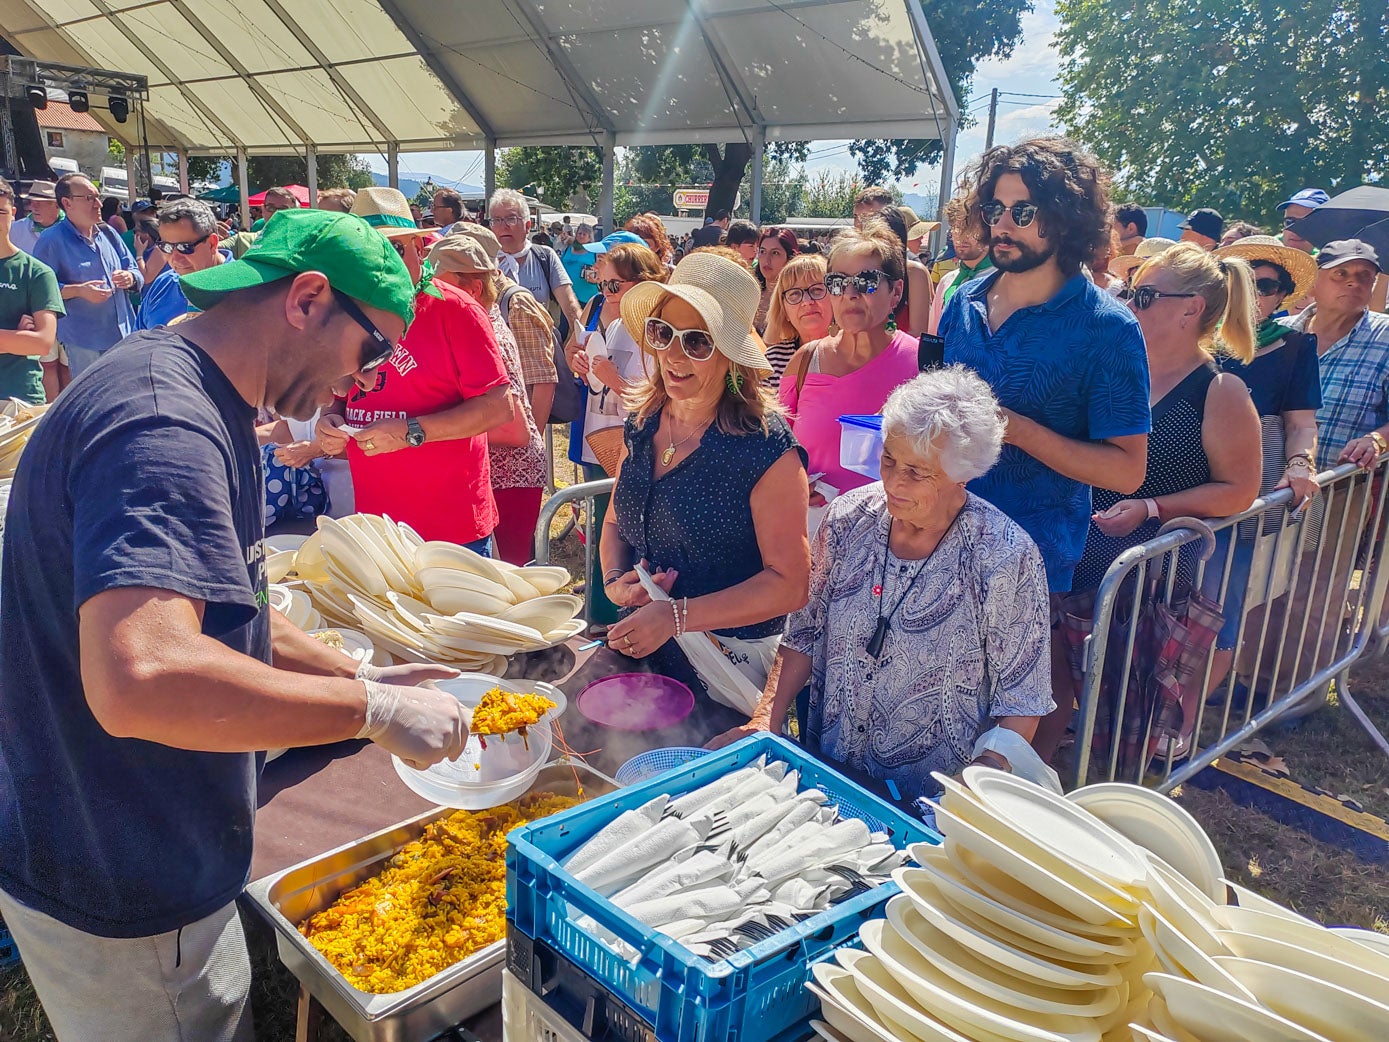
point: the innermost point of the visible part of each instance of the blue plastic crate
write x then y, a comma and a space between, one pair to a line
756, 994
9, 954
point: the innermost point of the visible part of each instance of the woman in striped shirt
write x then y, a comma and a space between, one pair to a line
799, 311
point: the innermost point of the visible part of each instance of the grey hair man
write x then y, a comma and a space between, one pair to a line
188, 240
538, 268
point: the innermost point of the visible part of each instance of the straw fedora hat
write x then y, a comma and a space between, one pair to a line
1267, 248
722, 291
1147, 250
388, 211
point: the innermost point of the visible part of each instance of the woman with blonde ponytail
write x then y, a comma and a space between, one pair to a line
1203, 452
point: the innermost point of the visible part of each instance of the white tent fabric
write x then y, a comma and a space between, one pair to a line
276, 76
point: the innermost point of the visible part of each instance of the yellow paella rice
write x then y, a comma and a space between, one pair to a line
438, 900
330, 637
502, 711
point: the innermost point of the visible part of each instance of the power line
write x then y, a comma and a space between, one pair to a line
1017, 94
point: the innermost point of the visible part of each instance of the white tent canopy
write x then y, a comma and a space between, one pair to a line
276, 77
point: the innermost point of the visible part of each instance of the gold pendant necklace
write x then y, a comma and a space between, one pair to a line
669, 454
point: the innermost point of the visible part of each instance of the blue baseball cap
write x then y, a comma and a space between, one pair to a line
615, 239
1308, 197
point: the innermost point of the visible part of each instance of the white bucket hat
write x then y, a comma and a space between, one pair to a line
723, 292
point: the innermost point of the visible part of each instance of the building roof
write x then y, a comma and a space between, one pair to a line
59, 116
361, 75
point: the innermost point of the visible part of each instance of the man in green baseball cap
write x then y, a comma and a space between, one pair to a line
141, 665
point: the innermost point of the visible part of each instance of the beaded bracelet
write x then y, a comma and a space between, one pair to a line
675, 614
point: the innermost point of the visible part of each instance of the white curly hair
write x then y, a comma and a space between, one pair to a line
949, 413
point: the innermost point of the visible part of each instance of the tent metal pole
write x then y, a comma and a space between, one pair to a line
393, 165
947, 169
242, 179
311, 162
130, 173
607, 201
759, 149
489, 173
183, 172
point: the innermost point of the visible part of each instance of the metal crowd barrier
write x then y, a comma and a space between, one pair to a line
584, 493
1312, 607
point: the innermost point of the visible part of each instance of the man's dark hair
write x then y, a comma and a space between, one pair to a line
62, 188
6, 189
740, 232
721, 215
1242, 230
453, 201
1068, 186
110, 206
1132, 213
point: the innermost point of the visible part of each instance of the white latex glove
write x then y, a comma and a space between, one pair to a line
421, 725
405, 674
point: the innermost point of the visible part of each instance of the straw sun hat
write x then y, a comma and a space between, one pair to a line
1146, 251
386, 210
1266, 248
723, 292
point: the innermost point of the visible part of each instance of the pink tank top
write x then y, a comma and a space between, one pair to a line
815, 417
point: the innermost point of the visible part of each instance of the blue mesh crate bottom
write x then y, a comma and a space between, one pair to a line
647, 765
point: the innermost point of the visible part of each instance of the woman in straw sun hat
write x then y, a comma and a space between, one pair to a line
711, 495
1285, 384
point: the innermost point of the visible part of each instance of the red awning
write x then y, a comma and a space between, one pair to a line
300, 192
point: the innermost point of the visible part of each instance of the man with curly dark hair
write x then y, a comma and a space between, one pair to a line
1065, 359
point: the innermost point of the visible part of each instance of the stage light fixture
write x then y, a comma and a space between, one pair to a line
78, 100
38, 97
119, 106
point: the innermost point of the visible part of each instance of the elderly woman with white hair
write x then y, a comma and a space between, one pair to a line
928, 619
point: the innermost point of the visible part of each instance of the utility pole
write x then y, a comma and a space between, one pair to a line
993, 116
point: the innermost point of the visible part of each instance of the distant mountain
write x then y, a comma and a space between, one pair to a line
410, 188
922, 206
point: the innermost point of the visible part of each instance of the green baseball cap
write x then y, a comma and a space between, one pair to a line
356, 259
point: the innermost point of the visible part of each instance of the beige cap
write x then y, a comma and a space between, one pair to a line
460, 253
485, 236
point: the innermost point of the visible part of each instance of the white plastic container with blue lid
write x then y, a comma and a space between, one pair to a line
861, 444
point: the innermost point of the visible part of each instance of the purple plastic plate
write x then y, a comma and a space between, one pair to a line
636, 701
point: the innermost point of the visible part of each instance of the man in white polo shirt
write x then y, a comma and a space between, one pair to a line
538, 268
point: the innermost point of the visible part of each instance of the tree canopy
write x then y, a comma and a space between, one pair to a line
1232, 104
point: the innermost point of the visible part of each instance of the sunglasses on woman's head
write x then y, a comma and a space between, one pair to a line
697, 344
1145, 297
815, 292
1023, 214
836, 282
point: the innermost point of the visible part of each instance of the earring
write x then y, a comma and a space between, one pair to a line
891, 325
734, 382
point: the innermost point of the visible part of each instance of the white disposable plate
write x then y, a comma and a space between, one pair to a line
1074, 870
998, 980
411, 612
350, 546
547, 578
1246, 898
1185, 907
367, 531
924, 899
1162, 1019
1305, 934
309, 563
354, 643
382, 623
278, 564
895, 1007
1182, 958
1318, 1004
467, 624
1372, 939
353, 569
285, 543
1214, 1016
1059, 825
438, 554
845, 1007
1142, 1034
279, 597
545, 613
829, 1034
1008, 891
1158, 823
1061, 892
431, 578
1014, 926
940, 996
520, 589
565, 631
449, 600
1313, 963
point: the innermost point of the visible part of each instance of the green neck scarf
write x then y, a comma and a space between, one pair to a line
965, 273
426, 283
1269, 331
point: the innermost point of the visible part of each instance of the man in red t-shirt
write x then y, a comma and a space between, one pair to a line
419, 448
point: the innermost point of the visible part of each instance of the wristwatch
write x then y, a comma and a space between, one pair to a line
414, 433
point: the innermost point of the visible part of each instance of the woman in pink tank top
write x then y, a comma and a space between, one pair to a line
854, 370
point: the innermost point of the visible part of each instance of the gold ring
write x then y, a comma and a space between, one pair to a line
369, 444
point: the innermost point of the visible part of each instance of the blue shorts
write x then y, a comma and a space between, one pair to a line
1233, 604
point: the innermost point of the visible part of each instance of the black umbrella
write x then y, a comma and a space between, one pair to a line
1361, 213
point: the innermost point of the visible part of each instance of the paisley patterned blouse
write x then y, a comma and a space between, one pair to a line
968, 643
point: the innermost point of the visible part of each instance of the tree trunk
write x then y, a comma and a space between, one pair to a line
729, 169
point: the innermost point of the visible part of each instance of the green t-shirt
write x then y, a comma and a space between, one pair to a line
27, 286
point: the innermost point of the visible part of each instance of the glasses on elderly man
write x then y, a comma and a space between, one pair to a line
510, 221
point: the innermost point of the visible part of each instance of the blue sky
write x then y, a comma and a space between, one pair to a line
1031, 70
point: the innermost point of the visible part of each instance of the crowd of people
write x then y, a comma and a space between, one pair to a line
1091, 384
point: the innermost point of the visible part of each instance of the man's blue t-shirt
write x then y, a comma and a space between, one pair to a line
1076, 365
162, 302
144, 473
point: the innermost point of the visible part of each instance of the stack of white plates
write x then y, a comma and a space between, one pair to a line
429, 601
17, 421
1042, 919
